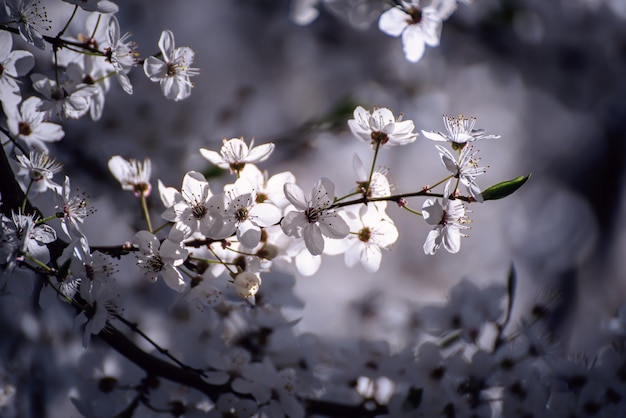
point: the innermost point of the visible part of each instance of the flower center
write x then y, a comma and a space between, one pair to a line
241, 214
415, 14
379, 138
24, 128
365, 234
312, 215
198, 211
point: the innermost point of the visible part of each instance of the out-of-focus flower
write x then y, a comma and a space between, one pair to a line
312, 219
419, 26
268, 190
379, 184
465, 169
14, 64
27, 123
460, 131
132, 174
31, 18
39, 168
303, 12
175, 71
448, 216
160, 259
381, 127
235, 154
102, 6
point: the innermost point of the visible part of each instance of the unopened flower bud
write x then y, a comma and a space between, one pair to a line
247, 284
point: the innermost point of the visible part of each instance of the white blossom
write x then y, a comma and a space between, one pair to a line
191, 209
13, 64
448, 217
72, 210
460, 131
381, 127
417, 24
39, 168
235, 154
238, 211
156, 258
312, 219
101, 6
21, 235
28, 123
71, 99
247, 284
174, 71
121, 54
466, 169
132, 174
31, 19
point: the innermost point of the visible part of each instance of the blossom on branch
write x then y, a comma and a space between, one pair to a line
381, 127
235, 154
162, 259
132, 174
39, 168
448, 216
460, 131
465, 169
174, 71
312, 219
31, 19
28, 123
13, 64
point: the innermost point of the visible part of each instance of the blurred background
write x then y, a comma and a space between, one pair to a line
549, 77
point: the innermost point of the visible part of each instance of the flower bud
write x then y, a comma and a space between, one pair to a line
247, 284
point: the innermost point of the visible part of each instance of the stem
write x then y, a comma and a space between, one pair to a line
339, 199
392, 198
39, 263
67, 25
146, 213
208, 260
49, 218
225, 264
369, 180
412, 210
23, 207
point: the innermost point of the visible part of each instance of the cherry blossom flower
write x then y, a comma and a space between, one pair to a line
448, 216
235, 154
132, 174
31, 18
27, 123
72, 210
39, 168
121, 54
460, 131
191, 209
268, 190
465, 169
379, 184
381, 127
175, 71
238, 211
312, 220
21, 235
70, 100
13, 64
374, 232
419, 26
162, 259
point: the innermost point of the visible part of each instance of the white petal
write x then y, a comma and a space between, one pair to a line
293, 223
393, 21
173, 279
295, 195
313, 239
434, 136
306, 263
333, 226
265, 214
413, 43
433, 241
259, 153
248, 234
166, 44
432, 211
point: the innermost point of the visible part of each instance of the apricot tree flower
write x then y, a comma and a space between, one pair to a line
39, 168
460, 131
132, 174
174, 72
238, 211
31, 18
121, 54
465, 169
162, 259
27, 123
72, 210
312, 220
448, 216
381, 127
419, 26
13, 64
235, 154
21, 235
190, 209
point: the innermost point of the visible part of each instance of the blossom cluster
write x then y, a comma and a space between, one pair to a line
230, 247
